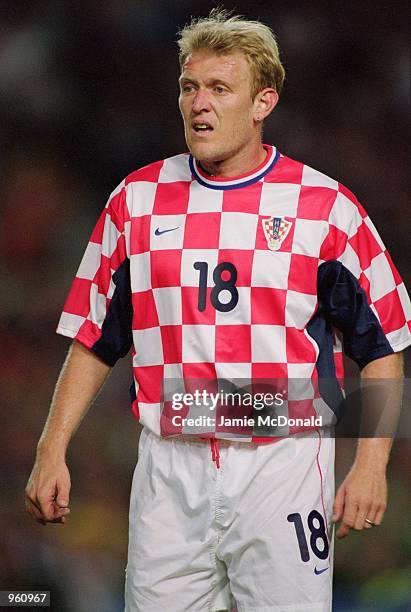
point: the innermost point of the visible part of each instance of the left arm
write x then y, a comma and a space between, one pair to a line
363, 493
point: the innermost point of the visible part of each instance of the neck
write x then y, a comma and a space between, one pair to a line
241, 163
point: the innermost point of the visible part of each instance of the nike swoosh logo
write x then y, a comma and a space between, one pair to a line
320, 571
158, 231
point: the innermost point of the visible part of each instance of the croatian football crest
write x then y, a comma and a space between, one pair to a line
275, 230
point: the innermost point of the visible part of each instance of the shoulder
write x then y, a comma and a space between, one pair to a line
319, 195
135, 195
169, 170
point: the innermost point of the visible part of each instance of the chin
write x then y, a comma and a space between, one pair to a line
205, 152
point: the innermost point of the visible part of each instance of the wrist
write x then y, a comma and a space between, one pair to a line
53, 451
373, 454
367, 464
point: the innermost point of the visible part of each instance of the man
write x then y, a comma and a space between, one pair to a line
231, 263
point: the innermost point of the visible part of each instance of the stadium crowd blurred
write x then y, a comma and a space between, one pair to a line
88, 92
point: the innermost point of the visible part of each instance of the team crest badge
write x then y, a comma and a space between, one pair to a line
275, 230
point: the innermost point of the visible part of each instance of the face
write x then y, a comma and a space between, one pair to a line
220, 116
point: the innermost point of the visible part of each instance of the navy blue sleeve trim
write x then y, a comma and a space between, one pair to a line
328, 385
344, 304
116, 332
132, 392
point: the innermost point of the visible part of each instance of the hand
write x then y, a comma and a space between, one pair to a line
48, 491
363, 494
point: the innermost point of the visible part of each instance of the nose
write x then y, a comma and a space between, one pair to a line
201, 101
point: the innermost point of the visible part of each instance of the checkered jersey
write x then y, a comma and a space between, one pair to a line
180, 268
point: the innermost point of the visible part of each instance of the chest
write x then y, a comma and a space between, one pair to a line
238, 253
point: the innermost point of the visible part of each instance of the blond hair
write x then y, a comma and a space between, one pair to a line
220, 33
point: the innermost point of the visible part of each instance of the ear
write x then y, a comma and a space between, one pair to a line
264, 103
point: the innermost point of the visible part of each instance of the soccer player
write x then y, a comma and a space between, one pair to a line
233, 262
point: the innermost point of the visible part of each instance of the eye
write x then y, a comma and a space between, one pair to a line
187, 88
220, 89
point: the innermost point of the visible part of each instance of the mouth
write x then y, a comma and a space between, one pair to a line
201, 128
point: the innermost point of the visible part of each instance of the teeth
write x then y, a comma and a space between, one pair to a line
201, 126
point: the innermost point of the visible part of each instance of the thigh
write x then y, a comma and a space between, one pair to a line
172, 542
278, 542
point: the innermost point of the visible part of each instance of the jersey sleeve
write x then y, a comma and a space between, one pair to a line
98, 309
359, 287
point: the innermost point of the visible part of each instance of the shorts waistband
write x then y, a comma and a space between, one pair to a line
222, 442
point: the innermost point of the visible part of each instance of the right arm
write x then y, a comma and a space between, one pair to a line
48, 488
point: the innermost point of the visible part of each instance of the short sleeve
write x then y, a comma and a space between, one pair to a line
359, 286
98, 309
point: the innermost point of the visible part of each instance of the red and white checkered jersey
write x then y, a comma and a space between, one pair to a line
241, 278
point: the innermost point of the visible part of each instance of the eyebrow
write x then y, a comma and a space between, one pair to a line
215, 81
184, 79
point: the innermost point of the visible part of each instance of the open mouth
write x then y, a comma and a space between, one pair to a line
202, 128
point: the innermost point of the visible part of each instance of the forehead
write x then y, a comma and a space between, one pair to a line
206, 64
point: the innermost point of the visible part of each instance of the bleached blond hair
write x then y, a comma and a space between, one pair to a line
221, 33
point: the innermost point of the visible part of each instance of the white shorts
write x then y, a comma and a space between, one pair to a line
254, 534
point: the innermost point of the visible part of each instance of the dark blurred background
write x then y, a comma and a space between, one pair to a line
88, 92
